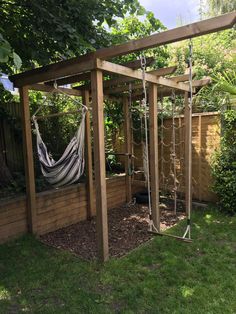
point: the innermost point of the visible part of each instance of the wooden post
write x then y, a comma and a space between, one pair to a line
200, 158
188, 155
127, 136
99, 163
88, 158
28, 161
154, 171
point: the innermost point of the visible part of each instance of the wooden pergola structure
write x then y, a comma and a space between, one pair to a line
92, 67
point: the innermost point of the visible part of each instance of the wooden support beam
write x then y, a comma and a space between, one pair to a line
72, 79
122, 79
128, 150
86, 76
83, 63
136, 64
154, 172
88, 158
50, 89
99, 164
170, 36
202, 82
119, 69
158, 72
137, 86
188, 155
200, 158
28, 161
54, 71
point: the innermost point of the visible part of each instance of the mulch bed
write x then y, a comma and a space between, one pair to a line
128, 227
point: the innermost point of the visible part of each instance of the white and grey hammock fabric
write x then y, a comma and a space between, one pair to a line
69, 168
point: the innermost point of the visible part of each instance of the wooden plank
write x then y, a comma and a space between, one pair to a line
72, 79
62, 204
29, 161
54, 71
63, 212
84, 63
123, 88
202, 82
119, 80
158, 72
99, 164
188, 155
200, 158
88, 157
50, 89
13, 230
119, 69
127, 138
86, 76
154, 172
170, 36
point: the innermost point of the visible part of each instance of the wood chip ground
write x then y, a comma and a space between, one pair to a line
128, 228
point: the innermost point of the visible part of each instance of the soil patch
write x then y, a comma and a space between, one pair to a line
128, 228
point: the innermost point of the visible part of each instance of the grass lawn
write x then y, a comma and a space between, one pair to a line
163, 276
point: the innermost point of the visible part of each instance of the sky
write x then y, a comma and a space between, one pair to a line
170, 11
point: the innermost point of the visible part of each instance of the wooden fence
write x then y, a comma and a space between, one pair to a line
10, 139
205, 141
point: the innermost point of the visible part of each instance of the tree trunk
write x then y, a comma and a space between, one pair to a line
5, 174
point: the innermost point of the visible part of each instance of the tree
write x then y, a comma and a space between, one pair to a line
132, 27
44, 31
217, 7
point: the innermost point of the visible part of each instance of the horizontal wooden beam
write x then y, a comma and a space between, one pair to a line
157, 72
202, 82
135, 64
119, 69
53, 72
125, 88
122, 79
166, 92
170, 36
72, 79
50, 89
84, 63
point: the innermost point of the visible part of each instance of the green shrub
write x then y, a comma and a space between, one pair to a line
224, 165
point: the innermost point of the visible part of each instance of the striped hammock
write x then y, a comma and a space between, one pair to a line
69, 168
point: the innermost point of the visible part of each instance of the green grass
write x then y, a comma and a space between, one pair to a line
163, 276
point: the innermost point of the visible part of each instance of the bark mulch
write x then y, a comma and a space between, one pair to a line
128, 227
